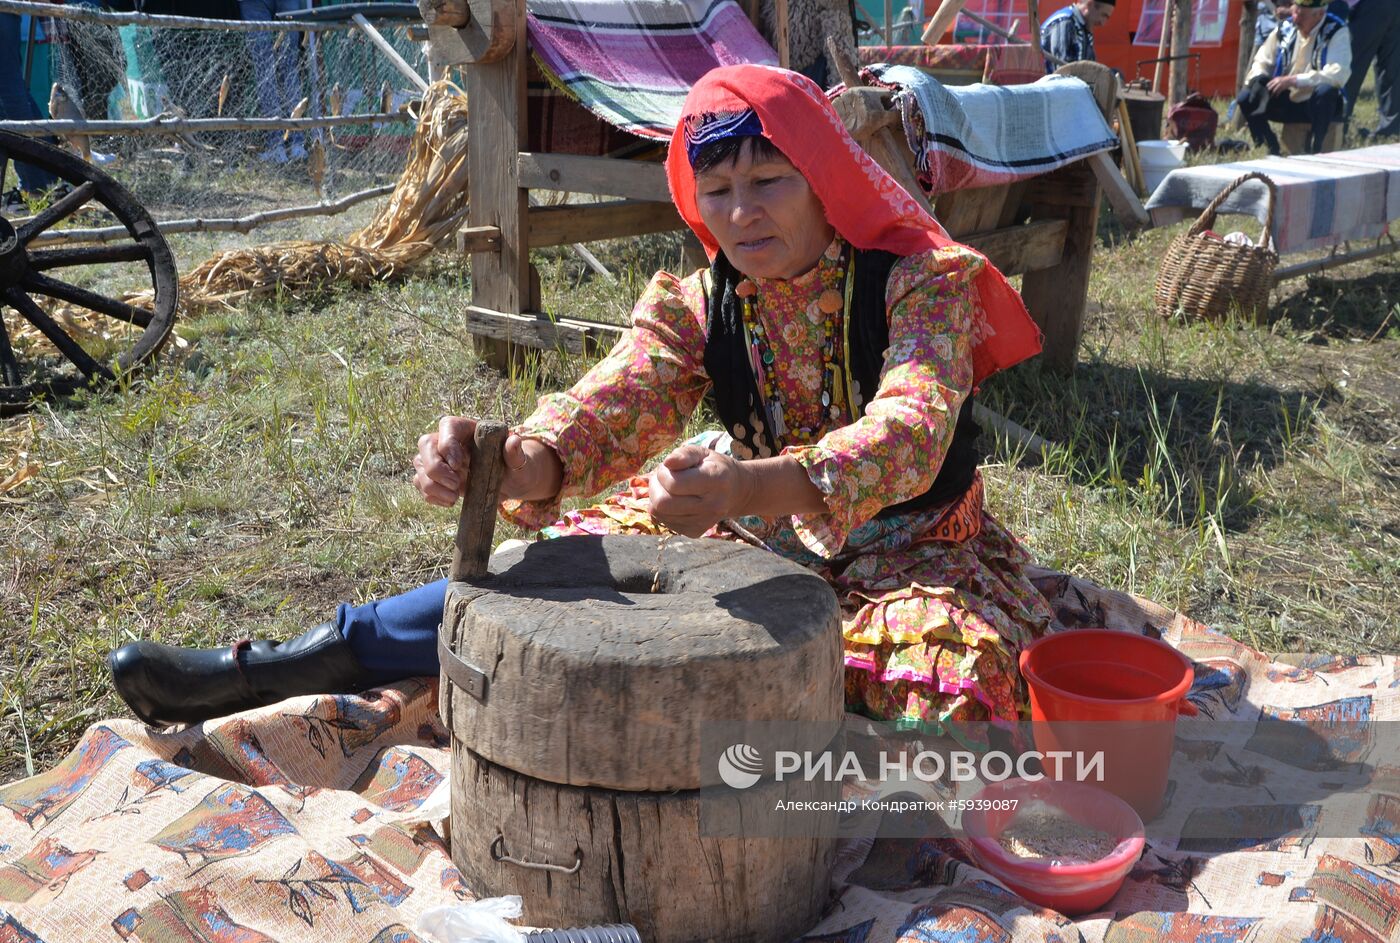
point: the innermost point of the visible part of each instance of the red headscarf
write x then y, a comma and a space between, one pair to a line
863, 203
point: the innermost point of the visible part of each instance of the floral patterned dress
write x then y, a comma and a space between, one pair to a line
931, 627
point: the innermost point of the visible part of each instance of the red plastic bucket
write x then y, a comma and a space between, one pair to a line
1098, 690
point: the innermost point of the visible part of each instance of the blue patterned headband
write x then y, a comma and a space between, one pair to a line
705, 129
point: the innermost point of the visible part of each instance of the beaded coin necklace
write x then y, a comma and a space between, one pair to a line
835, 354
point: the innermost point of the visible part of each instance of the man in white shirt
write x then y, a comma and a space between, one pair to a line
1298, 76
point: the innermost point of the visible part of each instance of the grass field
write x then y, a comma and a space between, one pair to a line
1249, 475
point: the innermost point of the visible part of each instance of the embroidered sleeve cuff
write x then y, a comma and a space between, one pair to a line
825, 533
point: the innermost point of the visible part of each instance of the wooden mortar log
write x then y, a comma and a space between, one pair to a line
580, 662
596, 671
580, 856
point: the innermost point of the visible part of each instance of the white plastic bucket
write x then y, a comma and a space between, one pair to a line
1160, 158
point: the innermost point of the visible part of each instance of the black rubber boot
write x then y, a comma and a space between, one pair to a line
164, 684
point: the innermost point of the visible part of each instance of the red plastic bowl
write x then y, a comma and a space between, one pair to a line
1068, 888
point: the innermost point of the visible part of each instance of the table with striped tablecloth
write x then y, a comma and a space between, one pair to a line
1323, 199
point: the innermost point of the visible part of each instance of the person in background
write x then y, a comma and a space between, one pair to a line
1270, 16
16, 104
94, 71
277, 62
194, 61
907, 27
1068, 33
1298, 76
1375, 36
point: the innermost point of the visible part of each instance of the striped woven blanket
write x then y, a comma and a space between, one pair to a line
632, 64
1382, 157
980, 135
1323, 200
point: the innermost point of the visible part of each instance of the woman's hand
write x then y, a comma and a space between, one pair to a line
1282, 83
695, 488
443, 464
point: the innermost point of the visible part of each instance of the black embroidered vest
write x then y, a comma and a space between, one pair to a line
737, 400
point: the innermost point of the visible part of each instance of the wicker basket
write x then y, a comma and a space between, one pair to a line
1204, 277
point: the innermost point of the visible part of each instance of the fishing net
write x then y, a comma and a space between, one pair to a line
428, 204
135, 72
129, 72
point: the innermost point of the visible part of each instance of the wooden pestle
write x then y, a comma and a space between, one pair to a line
477, 525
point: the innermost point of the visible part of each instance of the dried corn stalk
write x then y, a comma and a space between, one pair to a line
16, 462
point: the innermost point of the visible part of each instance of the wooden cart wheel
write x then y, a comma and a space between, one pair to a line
31, 274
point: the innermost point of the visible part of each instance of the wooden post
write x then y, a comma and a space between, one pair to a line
1249, 18
1179, 81
693, 257
1132, 163
1163, 43
1056, 296
1033, 21
780, 16
886, 148
889, 23
500, 279
947, 14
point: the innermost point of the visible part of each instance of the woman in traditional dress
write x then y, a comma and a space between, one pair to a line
842, 335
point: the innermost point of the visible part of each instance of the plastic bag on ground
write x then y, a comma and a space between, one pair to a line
481, 921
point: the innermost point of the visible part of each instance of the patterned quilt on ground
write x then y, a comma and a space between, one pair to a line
320, 819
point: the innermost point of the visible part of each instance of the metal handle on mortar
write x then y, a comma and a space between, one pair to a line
498, 853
